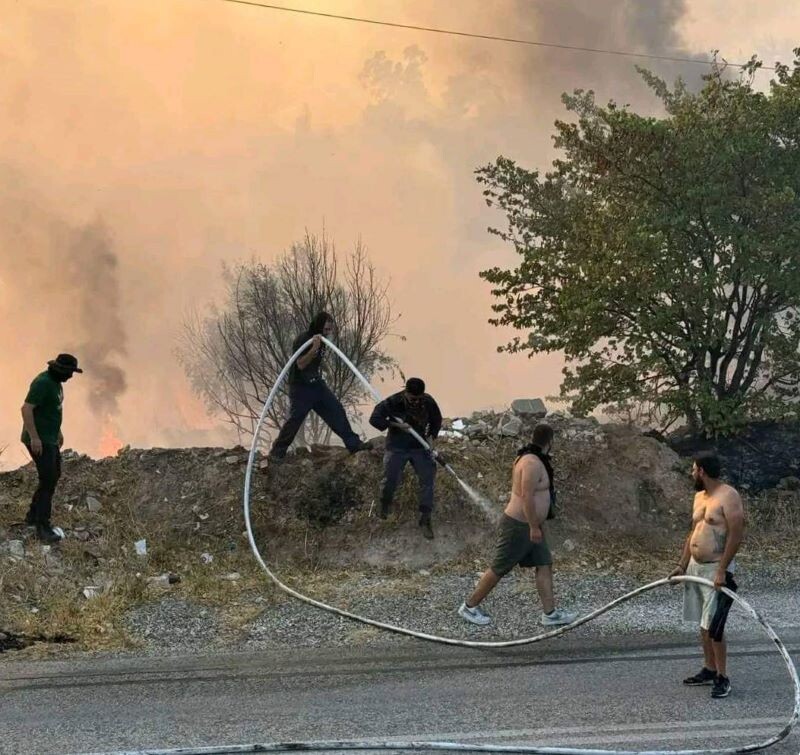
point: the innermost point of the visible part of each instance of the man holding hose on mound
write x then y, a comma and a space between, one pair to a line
414, 409
309, 392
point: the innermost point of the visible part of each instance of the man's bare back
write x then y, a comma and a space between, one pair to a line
710, 515
529, 478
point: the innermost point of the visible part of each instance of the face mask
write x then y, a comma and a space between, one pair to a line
61, 377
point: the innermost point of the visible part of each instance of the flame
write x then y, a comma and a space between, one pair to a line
109, 442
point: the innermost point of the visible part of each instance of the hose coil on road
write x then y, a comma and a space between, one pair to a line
455, 746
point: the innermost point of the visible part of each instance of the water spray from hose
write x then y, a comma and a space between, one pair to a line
485, 506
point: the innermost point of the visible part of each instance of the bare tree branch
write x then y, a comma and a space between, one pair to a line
234, 356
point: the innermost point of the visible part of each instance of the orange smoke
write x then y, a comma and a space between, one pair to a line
109, 442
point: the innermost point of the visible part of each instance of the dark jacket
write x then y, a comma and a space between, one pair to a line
427, 422
311, 374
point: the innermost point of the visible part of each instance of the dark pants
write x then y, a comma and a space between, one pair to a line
48, 465
395, 460
316, 397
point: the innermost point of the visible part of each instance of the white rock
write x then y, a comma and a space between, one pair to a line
91, 591
15, 548
93, 504
512, 428
477, 428
206, 558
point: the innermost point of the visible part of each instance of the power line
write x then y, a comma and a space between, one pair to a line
489, 37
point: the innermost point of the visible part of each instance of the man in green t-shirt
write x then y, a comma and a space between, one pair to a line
41, 434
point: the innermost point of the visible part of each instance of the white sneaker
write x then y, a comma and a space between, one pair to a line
558, 617
474, 615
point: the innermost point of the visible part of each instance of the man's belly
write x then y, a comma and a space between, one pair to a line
516, 508
708, 543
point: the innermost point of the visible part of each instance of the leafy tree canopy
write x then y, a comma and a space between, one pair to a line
662, 254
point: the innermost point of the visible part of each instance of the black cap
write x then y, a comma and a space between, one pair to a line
65, 363
415, 386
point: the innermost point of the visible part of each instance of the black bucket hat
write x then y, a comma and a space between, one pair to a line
65, 363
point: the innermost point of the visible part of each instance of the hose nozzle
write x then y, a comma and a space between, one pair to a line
439, 458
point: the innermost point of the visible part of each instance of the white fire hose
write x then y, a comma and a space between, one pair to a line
317, 746
455, 746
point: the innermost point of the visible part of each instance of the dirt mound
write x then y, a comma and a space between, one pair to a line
607, 476
621, 495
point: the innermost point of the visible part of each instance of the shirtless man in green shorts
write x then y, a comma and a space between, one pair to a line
709, 552
520, 538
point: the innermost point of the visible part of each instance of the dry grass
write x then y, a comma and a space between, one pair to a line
42, 594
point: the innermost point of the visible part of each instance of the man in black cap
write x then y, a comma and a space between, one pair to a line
410, 408
309, 392
41, 434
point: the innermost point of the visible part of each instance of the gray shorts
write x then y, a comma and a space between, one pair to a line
704, 605
514, 547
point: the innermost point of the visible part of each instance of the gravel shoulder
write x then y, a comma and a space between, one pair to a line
428, 604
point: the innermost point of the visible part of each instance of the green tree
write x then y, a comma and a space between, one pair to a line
662, 255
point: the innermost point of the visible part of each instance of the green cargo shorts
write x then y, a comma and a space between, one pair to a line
514, 547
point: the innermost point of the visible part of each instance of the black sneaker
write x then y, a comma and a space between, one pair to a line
722, 686
29, 519
362, 446
47, 534
706, 676
425, 523
383, 512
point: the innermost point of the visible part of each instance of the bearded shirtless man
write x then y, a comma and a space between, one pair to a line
520, 538
709, 552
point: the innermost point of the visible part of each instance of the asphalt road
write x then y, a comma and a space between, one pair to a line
583, 693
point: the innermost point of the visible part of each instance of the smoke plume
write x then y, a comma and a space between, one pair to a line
143, 145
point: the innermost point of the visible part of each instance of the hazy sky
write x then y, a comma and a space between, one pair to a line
144, 143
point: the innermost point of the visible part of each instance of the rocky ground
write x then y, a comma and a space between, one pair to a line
193, 583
